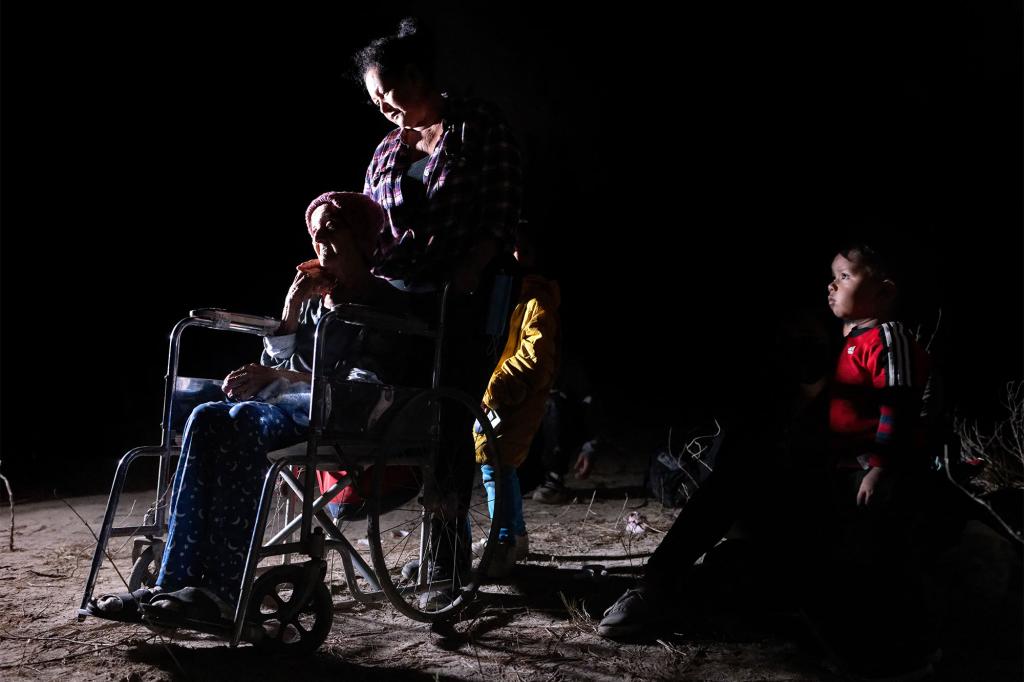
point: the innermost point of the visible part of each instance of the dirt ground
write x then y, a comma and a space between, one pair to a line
539, 625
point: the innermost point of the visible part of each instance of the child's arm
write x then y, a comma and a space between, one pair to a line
897, 411
868, 485
899, 371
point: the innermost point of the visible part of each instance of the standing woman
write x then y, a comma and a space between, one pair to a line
449, 179
448, 175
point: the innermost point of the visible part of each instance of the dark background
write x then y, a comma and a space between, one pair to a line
695, 168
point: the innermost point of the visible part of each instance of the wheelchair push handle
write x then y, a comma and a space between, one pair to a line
240, 322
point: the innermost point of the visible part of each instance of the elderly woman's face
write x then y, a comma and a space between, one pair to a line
403, 101
335, 243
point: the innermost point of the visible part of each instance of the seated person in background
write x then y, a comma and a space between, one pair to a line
223, 460
571, 432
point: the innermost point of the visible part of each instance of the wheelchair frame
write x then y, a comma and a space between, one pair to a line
322, 449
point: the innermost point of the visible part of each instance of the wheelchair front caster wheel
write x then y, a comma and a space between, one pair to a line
286, 629
144, 570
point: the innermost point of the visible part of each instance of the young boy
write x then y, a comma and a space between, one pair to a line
517, 392
876, 443
874, 403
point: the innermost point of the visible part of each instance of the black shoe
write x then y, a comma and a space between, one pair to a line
635, 612
551, 491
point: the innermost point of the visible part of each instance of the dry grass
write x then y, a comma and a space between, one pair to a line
578, 616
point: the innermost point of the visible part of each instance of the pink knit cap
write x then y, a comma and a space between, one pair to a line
359, 212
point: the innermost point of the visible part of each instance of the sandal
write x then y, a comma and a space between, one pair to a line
187, 607
126, 607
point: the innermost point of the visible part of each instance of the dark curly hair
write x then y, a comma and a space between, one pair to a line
877, 262
391, 54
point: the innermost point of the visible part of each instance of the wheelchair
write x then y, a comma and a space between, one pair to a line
287, 606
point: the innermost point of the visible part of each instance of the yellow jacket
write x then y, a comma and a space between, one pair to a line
519, 387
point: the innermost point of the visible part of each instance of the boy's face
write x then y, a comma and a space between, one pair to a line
854, 293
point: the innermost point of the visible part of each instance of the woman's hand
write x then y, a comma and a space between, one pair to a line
305, 286
247, 381
584, 462
868, 485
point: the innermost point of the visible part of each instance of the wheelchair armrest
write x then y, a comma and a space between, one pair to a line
352, 313
239, 322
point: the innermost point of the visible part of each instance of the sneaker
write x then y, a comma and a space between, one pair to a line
411, 570
435, 600
631, 614
522, 547
503, 560
552, 491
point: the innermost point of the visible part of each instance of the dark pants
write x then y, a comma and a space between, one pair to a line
467, 364
854, 566
782, 508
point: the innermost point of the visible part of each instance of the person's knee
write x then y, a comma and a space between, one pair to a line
247, 416
208, 414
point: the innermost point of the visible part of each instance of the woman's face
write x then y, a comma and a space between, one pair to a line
335, 244
402, 100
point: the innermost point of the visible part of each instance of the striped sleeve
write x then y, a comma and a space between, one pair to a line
895, 365
899, 374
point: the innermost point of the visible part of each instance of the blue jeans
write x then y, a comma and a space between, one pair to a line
511, 516
216, 492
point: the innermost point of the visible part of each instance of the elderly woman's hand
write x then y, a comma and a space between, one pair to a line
306, 285
247, 381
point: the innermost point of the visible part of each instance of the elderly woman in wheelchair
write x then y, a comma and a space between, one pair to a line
223, 482
223, 458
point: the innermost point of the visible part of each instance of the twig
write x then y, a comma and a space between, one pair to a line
671, 649
578, 615
10, 498
174, 658
111, 560
568, 507
30, 638
1015, 534
47, 575
96, 649
627, 545
156, 505
96, 537
589, 507
559, 558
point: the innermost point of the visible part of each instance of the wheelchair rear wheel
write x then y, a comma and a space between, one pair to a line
423, 550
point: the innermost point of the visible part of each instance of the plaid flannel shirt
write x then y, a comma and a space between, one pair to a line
473, 193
